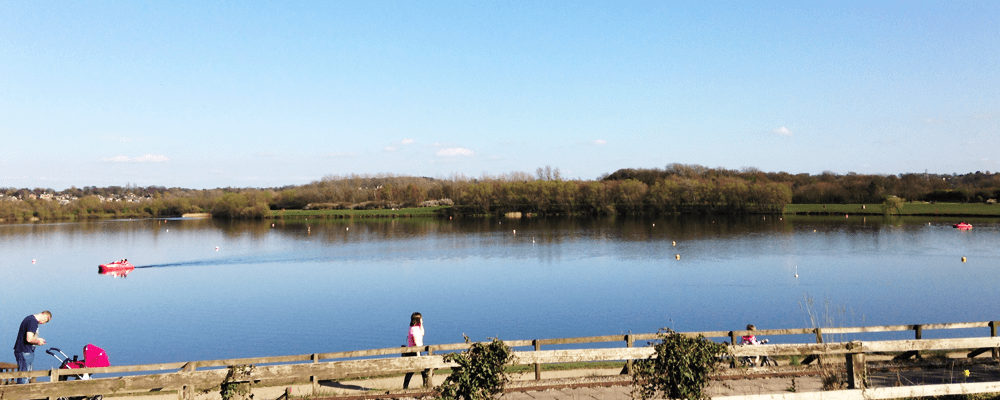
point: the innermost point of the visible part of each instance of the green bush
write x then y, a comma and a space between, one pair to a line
480, 374
679, 369
238, 382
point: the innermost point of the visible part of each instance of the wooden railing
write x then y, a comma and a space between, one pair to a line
7, 367
185, 377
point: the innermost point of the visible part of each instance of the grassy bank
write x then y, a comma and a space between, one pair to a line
956, 209
380, 213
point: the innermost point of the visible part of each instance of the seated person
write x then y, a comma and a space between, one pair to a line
749, 339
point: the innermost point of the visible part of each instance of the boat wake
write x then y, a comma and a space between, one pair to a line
232, 261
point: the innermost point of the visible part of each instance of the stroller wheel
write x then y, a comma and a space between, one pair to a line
98, 397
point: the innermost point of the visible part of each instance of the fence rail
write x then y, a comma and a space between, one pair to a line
185, 377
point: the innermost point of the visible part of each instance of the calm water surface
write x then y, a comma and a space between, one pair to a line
335, 285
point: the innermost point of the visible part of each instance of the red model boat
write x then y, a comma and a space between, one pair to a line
122, 266
963, 225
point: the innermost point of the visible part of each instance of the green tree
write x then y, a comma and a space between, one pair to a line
892, 205
230, 205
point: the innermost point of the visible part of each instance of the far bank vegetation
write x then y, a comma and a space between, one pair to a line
677, 188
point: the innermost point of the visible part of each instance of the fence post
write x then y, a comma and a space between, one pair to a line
993, 333
855, 370
812, 357
53, 377
312, 379
629, 342
732, 343
918, 333
538, 367
429, 373
187, 391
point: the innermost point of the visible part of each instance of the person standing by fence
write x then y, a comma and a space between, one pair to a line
27, 339
414, 338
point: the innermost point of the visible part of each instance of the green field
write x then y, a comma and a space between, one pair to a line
917, 208
380, 213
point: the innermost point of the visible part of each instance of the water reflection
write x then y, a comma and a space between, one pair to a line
115, 273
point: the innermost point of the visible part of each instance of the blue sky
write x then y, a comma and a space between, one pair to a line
205, 94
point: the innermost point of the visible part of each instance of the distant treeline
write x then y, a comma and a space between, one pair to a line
678, 188
852, 188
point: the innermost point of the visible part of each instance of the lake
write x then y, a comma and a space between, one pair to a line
339, 284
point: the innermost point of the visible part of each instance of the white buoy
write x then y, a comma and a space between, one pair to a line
348, 228
654, 224
32, 260
796, 271
515, 231
168, 230
216, 248
677, 256
674, 243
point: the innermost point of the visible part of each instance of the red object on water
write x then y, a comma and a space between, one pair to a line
963, 225
117, 266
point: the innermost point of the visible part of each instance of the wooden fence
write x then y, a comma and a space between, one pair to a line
186, 377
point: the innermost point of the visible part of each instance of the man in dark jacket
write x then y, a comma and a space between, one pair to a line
27, 339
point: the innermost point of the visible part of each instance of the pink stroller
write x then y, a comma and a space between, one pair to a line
93, 357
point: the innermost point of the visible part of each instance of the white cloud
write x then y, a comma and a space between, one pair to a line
600, 142
145, 158
390, 148
783, 131
408, 141
454, 152
151, 158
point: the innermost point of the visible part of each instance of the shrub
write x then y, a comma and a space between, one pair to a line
892, 205
679, 369
238, 382
481, 374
